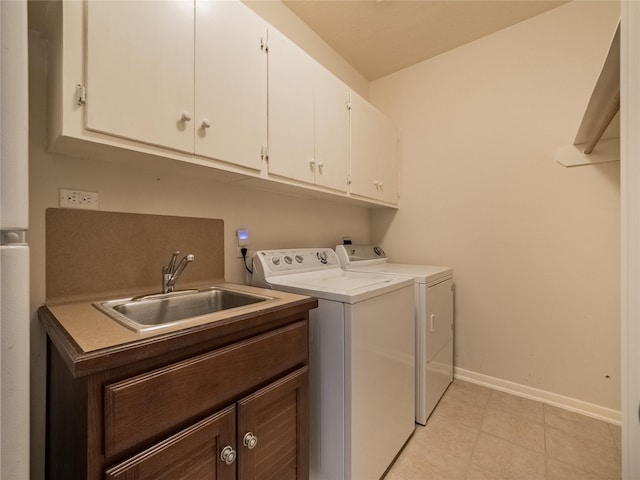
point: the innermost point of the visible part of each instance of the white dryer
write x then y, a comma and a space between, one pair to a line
433, 319
361, 360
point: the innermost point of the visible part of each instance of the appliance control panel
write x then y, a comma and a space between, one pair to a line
280, 262
357, 253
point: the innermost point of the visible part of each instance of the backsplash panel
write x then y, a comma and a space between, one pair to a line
96, 254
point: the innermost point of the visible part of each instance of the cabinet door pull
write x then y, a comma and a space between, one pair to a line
250, 440
206, 123
228, 455
186, 116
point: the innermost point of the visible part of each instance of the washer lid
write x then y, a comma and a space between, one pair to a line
373, 259
420, 273
339, 285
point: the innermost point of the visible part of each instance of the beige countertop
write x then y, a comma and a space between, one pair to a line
93, 330
85, 333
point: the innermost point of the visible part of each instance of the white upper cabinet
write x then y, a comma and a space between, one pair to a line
291, 109
140, 71
332, 99
308, 118
210, 83
374, 153
230, 83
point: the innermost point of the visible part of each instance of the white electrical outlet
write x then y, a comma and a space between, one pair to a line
78, 199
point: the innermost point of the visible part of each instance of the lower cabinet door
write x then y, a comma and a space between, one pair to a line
273, 432
204, 451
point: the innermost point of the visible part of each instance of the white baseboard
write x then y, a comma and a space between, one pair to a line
578, 406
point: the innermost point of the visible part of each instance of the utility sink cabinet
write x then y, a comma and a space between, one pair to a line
222, 401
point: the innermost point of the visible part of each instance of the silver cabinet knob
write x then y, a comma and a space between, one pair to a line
228, 455
250, 440
206, 123
186, 116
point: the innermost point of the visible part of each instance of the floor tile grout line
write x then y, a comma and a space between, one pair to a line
475, 443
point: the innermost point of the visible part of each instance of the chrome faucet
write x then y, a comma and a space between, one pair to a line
171, 272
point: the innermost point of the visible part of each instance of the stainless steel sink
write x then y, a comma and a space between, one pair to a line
161, 310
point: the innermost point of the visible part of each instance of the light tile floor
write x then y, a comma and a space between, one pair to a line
476, 433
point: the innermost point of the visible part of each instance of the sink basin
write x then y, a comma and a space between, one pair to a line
152, 312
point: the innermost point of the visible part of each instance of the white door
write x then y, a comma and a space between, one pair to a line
331, 131
139, 72
291, 109
230, 83
15, 314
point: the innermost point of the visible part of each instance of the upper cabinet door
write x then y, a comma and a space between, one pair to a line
365, 133
331, 131
387, 165
374, 153
230, 83
140, 71
291, 109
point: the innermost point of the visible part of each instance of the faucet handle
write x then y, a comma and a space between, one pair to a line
182, 265
171, 272
172, 264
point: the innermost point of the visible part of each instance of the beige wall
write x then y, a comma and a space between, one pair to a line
534, 245
278, 15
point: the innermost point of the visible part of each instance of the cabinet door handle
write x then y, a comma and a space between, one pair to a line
206, 123
250, 440
228, 455
186, 117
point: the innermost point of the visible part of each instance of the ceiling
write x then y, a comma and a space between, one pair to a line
379, 37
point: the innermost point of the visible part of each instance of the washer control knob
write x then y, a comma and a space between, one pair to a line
275, 260
288, 260
299, 258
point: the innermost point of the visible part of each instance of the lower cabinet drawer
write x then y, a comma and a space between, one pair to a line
192, 454
152, 405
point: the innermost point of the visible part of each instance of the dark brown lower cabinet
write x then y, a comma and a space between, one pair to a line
262, 437
199, 411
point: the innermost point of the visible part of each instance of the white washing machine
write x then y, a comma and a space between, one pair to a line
433, 319
361, 360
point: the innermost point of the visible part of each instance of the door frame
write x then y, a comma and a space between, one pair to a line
630, 235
